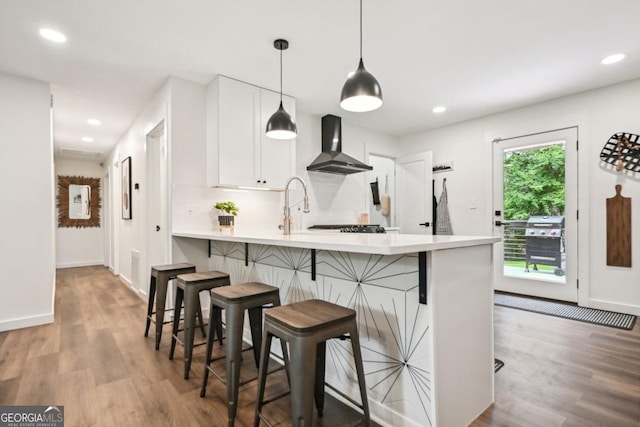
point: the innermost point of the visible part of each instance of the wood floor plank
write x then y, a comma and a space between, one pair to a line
119, 404
107, 362
13, 353
76, 391
38, 381
45, 340
9, 391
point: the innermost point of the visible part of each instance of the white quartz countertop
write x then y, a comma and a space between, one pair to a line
381, 244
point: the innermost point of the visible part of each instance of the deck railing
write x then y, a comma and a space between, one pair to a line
514, 240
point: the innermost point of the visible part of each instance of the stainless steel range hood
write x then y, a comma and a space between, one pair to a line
332, 159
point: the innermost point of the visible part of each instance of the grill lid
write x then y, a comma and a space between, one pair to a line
545, 222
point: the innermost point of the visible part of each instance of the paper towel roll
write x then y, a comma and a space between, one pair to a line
386, 205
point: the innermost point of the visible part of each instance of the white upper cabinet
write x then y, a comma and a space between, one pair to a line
238, 152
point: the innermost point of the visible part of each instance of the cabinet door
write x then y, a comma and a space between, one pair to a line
239, 107
276, 157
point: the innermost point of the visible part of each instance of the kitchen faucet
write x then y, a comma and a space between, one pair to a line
286, 227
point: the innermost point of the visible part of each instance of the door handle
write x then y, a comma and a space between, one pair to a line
425, 224
499, 223
157, 228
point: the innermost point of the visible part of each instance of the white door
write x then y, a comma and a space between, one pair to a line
157, 231
413, 180
535, 208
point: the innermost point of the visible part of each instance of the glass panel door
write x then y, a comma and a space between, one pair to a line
535, 201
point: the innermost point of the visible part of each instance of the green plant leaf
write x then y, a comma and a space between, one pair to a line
228, 207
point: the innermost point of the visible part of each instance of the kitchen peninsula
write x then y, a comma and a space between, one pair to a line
424, 307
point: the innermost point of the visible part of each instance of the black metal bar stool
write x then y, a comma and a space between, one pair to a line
306, 326
188, 289
158, 288
252, 297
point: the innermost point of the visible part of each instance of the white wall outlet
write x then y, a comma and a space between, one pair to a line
473, 204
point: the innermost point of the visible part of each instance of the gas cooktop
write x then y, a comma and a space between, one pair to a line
350, 228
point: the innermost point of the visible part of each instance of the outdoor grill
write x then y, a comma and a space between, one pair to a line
545, 242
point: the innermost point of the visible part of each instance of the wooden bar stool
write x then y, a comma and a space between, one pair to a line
306, 326
188, 289
160, 277
252, 297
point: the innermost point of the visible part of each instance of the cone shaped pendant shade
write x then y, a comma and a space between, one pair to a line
361, 92
281, 124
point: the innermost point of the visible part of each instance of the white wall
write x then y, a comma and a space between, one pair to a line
181, 104
598, 115
76, 247
129, 235
27, 214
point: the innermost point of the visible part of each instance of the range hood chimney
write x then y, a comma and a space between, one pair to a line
332, 159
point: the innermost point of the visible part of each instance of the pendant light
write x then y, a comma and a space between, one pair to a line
281, 124
361, 92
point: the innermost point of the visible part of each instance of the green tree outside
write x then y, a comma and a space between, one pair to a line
534, 182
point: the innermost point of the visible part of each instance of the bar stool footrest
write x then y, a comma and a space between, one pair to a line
198, 344
273, 399
224, 381
359, 405
167, 322
215, 359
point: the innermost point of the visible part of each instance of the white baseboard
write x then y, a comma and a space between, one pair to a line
128, 284
125, 280
25, 322
80, 264
613, 306
380, 413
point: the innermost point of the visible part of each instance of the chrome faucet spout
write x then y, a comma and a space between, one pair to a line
286, 227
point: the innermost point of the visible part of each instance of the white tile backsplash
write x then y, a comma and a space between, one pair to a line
193, 207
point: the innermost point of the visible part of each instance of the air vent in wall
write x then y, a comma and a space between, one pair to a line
66, 152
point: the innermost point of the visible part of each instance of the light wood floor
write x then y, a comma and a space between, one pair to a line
562, 372
96, 362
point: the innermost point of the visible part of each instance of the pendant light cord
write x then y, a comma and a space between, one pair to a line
280, 76
360, 29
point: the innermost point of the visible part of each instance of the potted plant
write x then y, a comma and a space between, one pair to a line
227, 212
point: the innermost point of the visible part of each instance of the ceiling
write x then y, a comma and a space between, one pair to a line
475, 57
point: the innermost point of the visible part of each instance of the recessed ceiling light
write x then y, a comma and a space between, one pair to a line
350, 74
87, 139
53, 35
94, 122
612, 59
439, 109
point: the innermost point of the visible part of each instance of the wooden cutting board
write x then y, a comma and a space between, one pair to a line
619, 230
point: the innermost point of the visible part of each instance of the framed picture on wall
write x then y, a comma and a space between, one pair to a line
126, 188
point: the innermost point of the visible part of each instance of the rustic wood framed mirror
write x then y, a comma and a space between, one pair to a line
79, 201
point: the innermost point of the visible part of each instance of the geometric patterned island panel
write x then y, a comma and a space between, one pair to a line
394, 328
